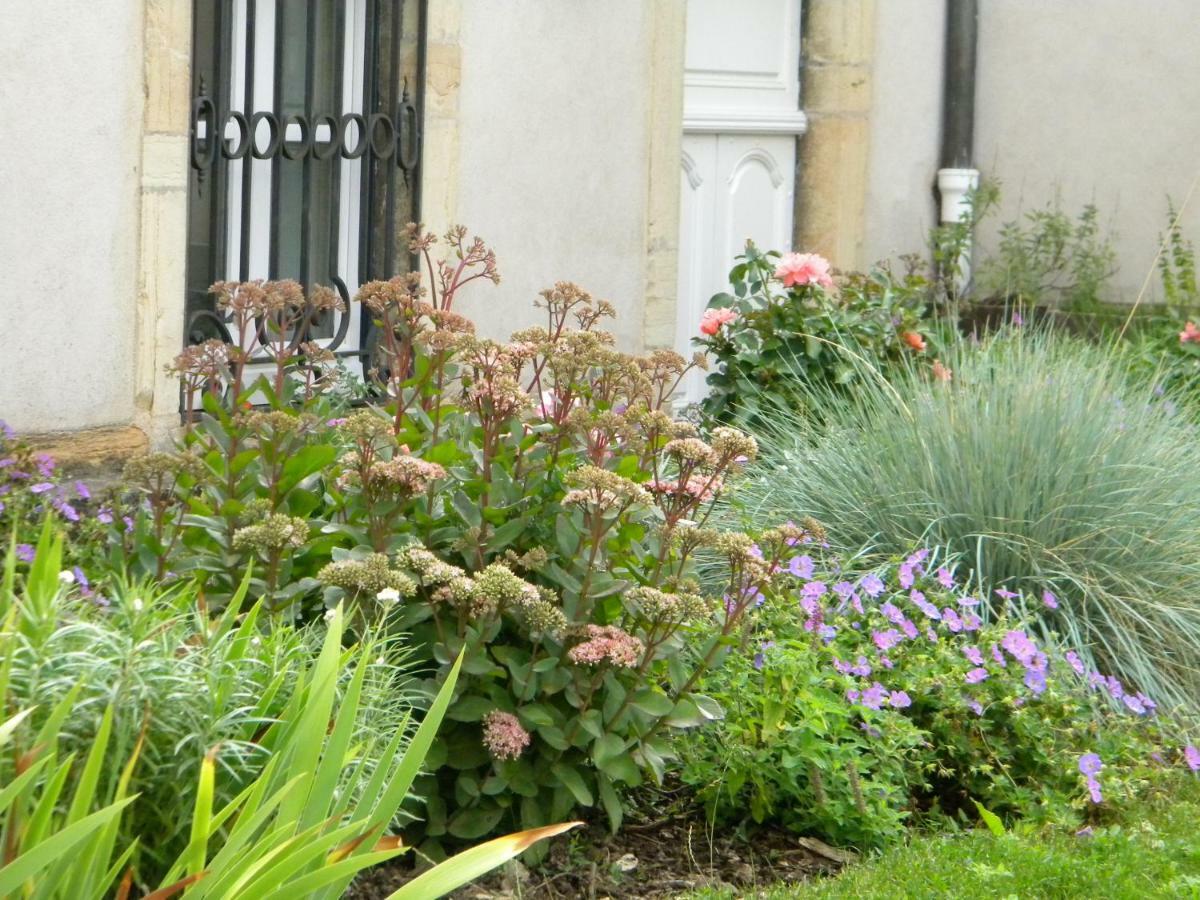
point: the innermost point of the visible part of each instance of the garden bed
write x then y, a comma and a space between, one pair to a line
656, 859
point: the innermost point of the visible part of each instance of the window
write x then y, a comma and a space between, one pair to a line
305, 145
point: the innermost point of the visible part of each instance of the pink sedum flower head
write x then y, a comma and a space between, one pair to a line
714, 320
503, 735
799, 269
607, 643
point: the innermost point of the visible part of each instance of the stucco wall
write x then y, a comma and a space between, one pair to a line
905, 127
1099, 99
71, 118
1093, 99
556, 139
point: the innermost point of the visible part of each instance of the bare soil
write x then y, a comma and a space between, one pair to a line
652, 859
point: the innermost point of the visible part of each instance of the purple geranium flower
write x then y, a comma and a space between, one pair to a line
975, 706
862, 667
967, 601
1134, 704
952, 619
801, 566
886, 640
906, 577
1192, 757
25, 552
104, 516
41, 487
1090, 764
1018, 644
875, 696
1049, 599
976, 675
872, 585
1074, 661
919, 601
945, 579
1005, 595
909, 629
1115, 688
972, 622
892, 612
973, 655
814, 589
900, 700
1035, 680
1094, 790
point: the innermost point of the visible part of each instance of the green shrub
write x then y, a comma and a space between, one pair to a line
1042, 466
1048, 259
859, 702
786, 327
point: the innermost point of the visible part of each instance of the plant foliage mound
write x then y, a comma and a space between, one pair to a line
861, 702
1042, 465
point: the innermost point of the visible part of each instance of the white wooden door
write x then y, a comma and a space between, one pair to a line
741, 121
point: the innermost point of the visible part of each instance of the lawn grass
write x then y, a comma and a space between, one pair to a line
1154, 852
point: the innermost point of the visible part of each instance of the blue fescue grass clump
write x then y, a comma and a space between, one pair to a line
1042, 465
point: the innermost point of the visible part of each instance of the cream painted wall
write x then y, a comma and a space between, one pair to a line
70, 143
558, 132
906, 110
1098, 100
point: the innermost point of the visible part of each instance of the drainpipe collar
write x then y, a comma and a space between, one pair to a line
953, 187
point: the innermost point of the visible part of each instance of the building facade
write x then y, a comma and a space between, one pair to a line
151, 147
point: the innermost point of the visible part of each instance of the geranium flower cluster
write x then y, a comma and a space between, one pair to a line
29, 477
870, 628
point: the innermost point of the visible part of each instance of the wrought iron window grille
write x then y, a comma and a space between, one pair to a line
315, 183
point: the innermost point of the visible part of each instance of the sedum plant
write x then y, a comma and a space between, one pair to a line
530, 504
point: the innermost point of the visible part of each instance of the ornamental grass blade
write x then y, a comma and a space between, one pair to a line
414, 755
990, 819
165, 893
465, 867
333, 756
12, 723
55, 847
342, 871
197, 849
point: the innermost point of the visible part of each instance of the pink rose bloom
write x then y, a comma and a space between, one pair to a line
804, 268
1190, 333
713, 319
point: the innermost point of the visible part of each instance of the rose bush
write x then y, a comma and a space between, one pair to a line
786, 321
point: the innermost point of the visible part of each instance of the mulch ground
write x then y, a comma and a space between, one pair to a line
657, 859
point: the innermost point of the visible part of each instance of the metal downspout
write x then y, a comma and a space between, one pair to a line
957, 174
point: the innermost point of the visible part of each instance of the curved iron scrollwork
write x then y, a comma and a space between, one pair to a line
293, 182
382, 136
